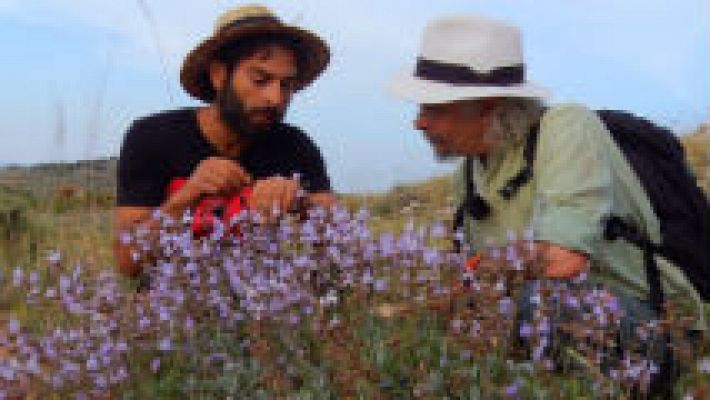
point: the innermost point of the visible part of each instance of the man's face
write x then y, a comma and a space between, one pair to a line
457, 128
258, 91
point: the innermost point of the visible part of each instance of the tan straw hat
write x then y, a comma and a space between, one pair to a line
248, 21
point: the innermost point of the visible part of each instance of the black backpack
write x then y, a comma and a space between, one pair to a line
658, 159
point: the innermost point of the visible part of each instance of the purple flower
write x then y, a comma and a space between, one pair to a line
505, 305
92, 364
155, 365
614, 374
191, 267
34, 278
367, 277
189, 324
704, 365
612, 304
431, 257
64, 283
459, 236
164, 314
526, 330
572, 301
120, 375
57, 382
529, 234
7, 372
54, 257
13, 326
33, 366
144, 323
387, 245
121, 347
125, 238
165, 344
511, 253
330, 299
100, 381
168, 270
543, 326
475, 328
535, 299
17, 277
512, 390
70, 368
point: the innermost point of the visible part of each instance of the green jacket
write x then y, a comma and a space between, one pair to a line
580, 176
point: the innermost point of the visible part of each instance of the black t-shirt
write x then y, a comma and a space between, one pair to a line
169, 145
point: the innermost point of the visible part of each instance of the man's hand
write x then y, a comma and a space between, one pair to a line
274, 196
321, 199
562, 263
212, 176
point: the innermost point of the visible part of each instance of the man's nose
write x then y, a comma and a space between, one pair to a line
421, 122
276, 95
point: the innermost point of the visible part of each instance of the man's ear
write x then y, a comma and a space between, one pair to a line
218, 75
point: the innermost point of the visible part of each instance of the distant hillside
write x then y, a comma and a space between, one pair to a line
20, 184
99, 176
697, 148
44, 180
430, 198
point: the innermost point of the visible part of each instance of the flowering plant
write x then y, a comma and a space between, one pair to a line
318, 307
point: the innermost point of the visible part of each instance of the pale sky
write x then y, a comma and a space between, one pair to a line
77, 72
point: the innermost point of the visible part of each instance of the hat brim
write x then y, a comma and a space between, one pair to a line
422, 91
194, 75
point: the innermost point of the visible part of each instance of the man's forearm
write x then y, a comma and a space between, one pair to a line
561, 262
322, 199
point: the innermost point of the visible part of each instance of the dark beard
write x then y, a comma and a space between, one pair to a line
236, 117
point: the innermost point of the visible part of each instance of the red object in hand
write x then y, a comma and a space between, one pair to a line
473, 262
211, 208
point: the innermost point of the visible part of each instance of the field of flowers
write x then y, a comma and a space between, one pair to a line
335, 304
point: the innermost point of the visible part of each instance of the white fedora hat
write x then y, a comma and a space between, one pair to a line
467, 57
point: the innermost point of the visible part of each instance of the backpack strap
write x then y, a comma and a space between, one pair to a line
459, 215
472, 203
616, 228
475, 205
469, 190
525, 174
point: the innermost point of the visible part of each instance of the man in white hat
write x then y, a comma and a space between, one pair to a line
475, 102
247, 73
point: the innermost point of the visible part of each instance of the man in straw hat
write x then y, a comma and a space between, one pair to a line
475, 102
247, 73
